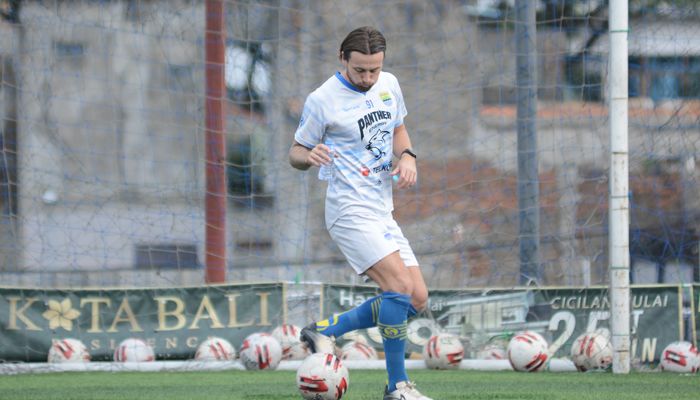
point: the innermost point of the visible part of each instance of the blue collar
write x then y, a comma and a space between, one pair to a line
346, 83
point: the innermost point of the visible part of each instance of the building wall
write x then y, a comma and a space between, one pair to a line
112, 141
111, 149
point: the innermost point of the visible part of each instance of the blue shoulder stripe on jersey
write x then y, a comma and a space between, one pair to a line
346, 83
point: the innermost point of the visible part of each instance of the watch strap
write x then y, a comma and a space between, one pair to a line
409, 152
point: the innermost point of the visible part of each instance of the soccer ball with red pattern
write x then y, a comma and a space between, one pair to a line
215, 349
358, 351
681, 357
527, 352
491, 351
591, 351
288, 337
68, 351
443, 351
322, 376
134, 350
260, 351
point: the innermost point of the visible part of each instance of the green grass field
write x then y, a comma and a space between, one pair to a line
364, 385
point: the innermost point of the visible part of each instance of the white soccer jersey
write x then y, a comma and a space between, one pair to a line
360, 128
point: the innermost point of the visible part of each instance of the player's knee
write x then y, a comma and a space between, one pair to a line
419, 303
419, 299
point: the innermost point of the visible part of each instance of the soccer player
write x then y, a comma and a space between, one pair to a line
352, 126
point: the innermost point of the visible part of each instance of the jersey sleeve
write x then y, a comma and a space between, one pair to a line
400, 105
311, 126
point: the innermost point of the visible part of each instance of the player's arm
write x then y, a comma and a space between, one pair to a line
406, 165
302, 157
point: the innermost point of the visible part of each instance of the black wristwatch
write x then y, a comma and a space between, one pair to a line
409, 152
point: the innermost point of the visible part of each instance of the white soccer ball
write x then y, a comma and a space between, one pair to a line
134, 350
527, 352
68, 351
492, 351
215, 349
260, 351
355, 336
681, 357
322, 376
288, 337
358, 351
591, 351
443, 351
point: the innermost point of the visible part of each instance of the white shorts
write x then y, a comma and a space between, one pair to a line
365, 239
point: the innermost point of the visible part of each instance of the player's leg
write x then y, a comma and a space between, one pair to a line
376, 247
365, 315
396, 284
419, 296
316, 334
363, 241
419, 299
361, 317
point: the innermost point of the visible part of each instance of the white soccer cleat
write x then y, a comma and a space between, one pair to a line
405, 391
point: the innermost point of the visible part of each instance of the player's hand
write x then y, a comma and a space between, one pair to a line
319, 155
406, 172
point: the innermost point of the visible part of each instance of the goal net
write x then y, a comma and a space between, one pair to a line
107, 133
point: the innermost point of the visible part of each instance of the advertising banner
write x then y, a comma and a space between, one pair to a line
172, 320
488, 317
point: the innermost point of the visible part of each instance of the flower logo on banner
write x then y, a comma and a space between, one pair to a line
61, 314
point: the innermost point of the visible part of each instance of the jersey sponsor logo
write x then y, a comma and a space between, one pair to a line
376, 143
370, 118
384, 167
386, 98
366, 171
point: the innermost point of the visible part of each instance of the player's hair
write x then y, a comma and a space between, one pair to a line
365, 40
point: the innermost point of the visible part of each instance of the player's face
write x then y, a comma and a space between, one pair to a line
362, 70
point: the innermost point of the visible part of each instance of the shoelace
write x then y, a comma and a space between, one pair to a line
411, 386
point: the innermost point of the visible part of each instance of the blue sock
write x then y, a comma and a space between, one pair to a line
411, 312
363, 316
392, 325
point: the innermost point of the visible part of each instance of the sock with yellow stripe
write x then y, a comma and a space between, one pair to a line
392, 326
363, 316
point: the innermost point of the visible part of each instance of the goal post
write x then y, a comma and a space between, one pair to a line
215, 149
619, 261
